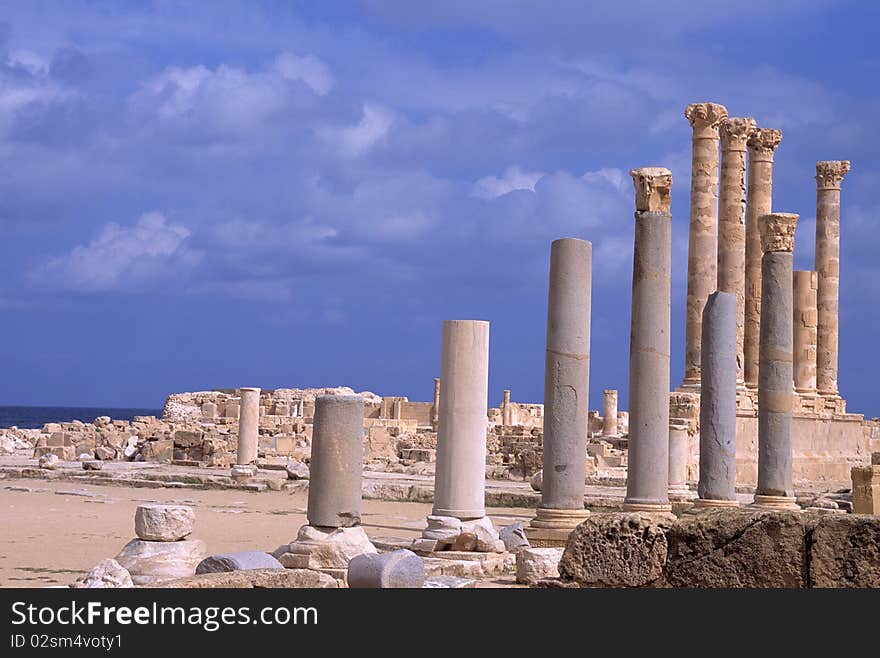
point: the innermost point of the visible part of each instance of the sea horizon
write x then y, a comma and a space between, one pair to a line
35, 416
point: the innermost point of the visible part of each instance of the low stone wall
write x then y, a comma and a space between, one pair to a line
741, 548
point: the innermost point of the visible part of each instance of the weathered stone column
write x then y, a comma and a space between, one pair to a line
717, 485
460, 474
609, 412
435, 409
703, 235
506, 411
829, 175
648, 461
337, 462
761, 145
775, 489
678, 458
805, 322
248, 425
732, 222
566, 391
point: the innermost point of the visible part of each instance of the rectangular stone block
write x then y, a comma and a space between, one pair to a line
283, 445
188, 438
866, 489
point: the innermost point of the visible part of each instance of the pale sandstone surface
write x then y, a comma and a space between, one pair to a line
256, 578
164, 522
153, 561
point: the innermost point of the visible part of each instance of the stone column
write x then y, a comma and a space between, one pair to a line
829, 175
566, 392
775, 489
435, 409
609, 412
678, 459
648, 472
732, 222
460, 474
805, 319
248, 425
717, 485
703, 235
506, 415
336, 465
761, 145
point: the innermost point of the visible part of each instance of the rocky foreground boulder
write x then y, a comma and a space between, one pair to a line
721, 549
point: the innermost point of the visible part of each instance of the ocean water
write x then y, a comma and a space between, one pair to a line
36, 417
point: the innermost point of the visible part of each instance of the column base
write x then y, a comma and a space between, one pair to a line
776, 503
806, 392
551, 527
705, 503
680, 492
647, 507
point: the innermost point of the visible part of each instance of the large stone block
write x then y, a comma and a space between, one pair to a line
188, 438
617, 550
845, 551
328, 548
395, 570
866, 489
155, 522
737, 548
256, 578
150, 562
534, 564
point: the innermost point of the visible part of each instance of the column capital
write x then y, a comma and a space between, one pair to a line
763, 143
777, 231
653, 188
830, 173
705, 119
735, 132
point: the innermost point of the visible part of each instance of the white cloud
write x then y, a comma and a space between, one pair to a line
308, 69
122, 258
513, 178
353, 141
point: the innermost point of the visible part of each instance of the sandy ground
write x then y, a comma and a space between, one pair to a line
54, 532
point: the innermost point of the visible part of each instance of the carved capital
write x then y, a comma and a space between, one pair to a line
653, 188
735, 132
763, 142
830, 173
777, 231
705, 118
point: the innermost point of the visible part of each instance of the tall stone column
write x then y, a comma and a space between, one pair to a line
648, 461
609, 412
678, 459
248, 425
775, 489
829, 175
735, 132
566, 391
460, 474
435, 408
717, 485
703, 234
336, 465
761, 145
805, 333
506, 411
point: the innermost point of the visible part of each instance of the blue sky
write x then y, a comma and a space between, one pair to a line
199, 195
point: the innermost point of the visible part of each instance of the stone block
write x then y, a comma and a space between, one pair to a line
151, 562
845, 551
106, 574
395, 570
240, 561
534, 564
156, 522
188, 438
866, 489
256, 578
331, 549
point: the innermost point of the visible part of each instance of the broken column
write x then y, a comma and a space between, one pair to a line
735, 132
703, 234
648, 460
761, 145
458, 519
566, 393
775, 489
333, 534
677, 489
805, 286
435, 408
506, 410
717, 485
248, 425
609, 412
829, 175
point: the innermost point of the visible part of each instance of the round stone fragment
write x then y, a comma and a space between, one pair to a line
151, 562
395, 570
240, 561
154, 522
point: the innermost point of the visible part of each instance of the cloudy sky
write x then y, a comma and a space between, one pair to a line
200, 195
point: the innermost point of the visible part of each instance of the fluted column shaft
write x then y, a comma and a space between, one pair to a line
805, 319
